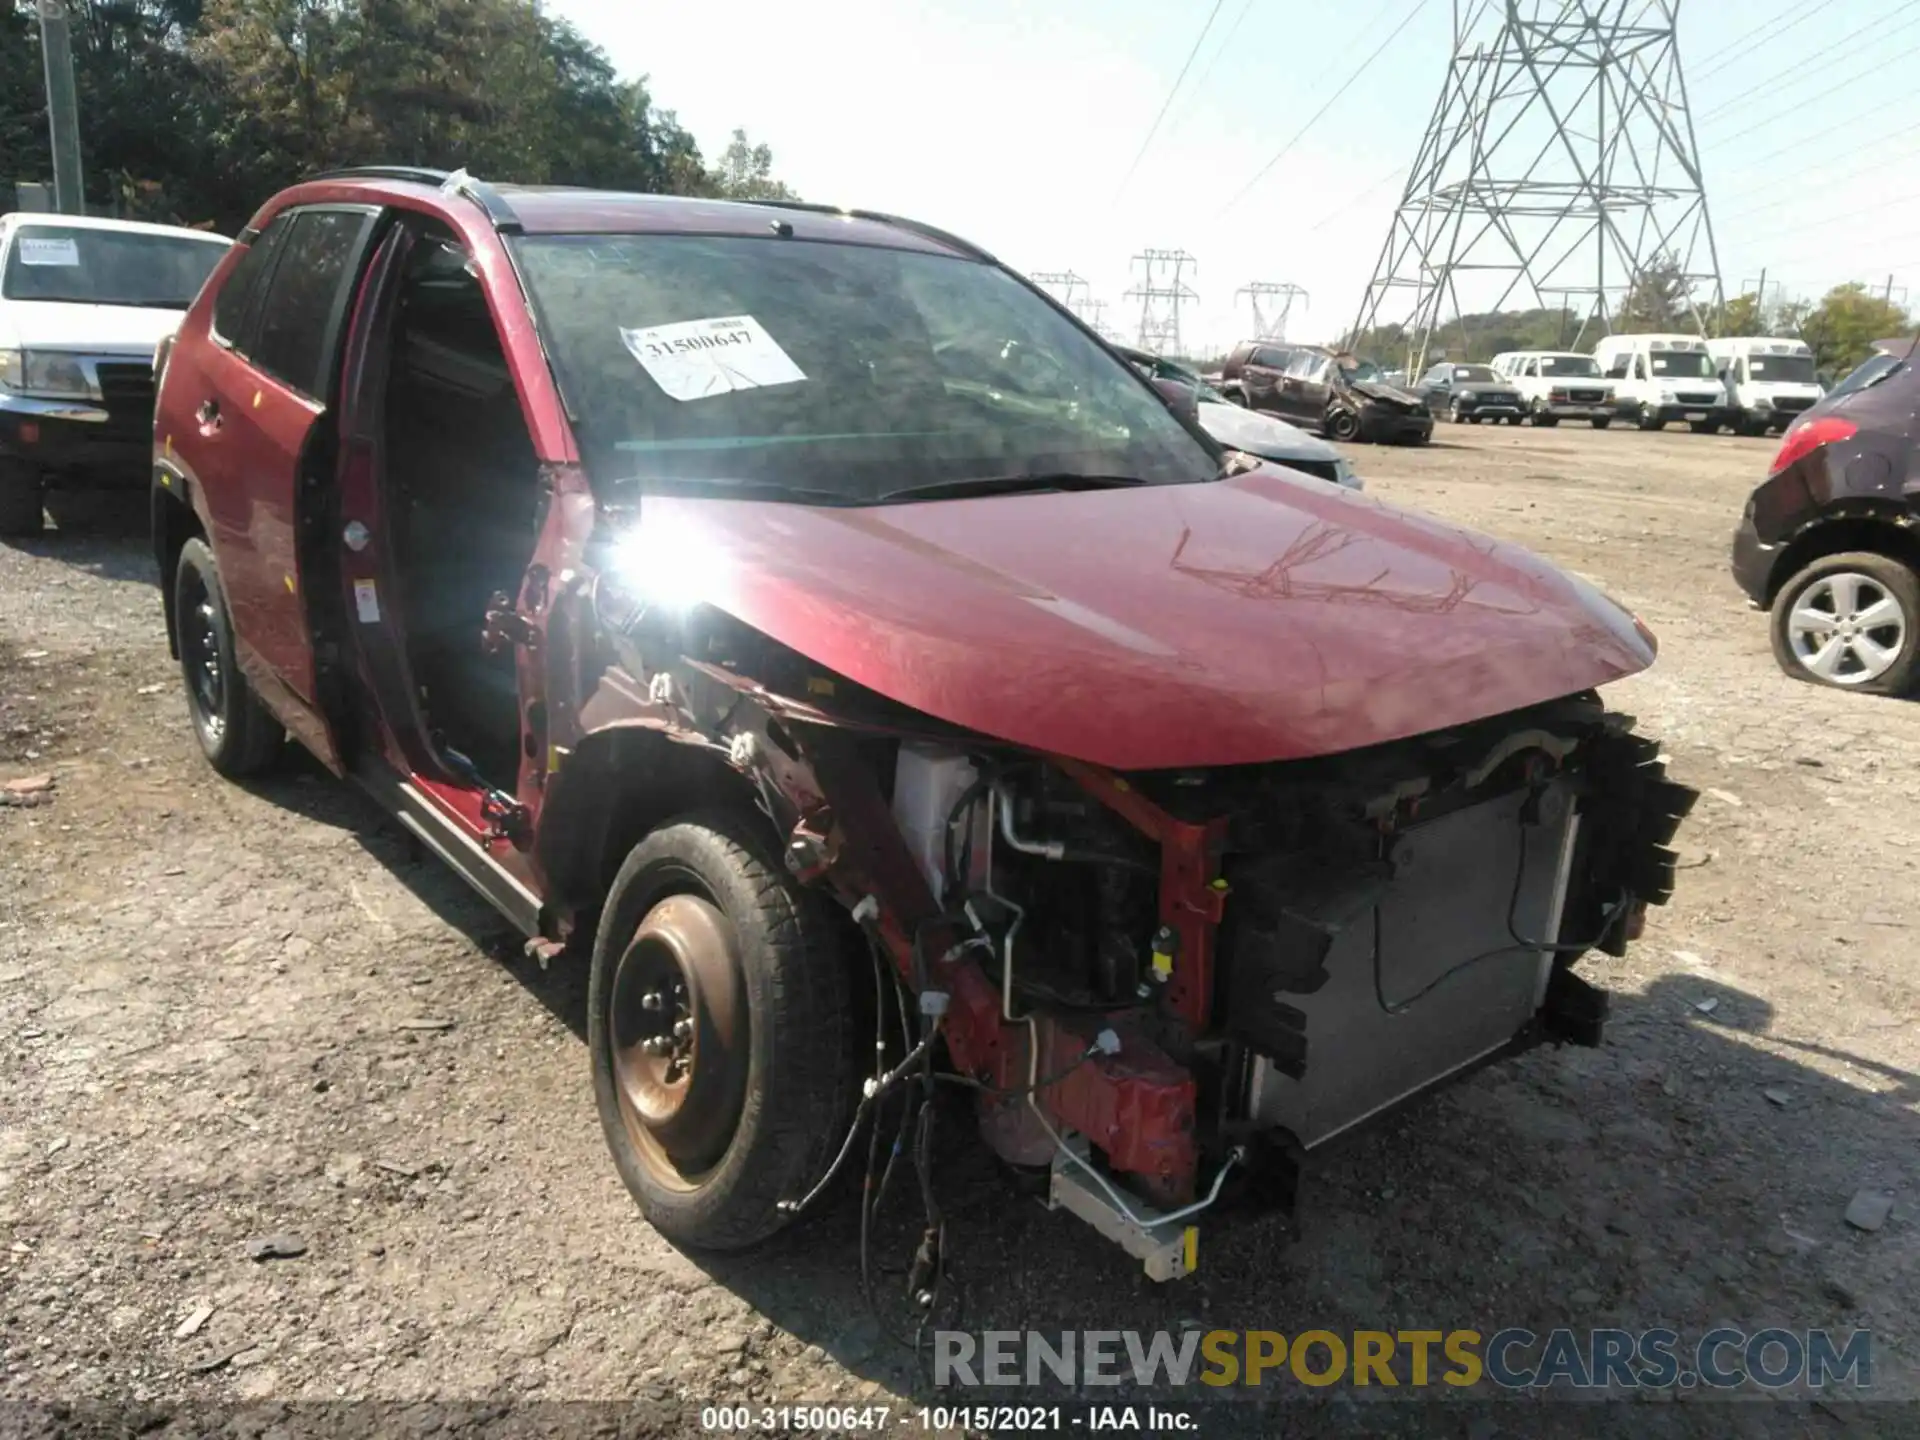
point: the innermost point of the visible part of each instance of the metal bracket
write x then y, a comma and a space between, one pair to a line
507, 626
1166, 1251
506, 816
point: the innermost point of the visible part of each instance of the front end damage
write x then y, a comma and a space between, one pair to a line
1159, 981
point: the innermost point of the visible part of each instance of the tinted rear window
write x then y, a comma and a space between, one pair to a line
304, 297
85, 266
230, 306
1870, 372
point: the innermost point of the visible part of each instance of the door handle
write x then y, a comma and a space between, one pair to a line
208, 415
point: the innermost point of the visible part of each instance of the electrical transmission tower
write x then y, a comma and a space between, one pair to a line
1271, 305
1161, 292
1559, 166
1068, 288
1094, 312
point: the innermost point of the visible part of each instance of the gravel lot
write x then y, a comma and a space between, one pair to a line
230, 1014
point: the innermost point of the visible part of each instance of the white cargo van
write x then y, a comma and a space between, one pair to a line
1558, 385
1769, 380
1661, 378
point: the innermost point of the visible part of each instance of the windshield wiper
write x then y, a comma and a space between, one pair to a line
733, 487
1010, 485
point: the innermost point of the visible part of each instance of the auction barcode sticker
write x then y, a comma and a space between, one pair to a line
692, 359
49, 250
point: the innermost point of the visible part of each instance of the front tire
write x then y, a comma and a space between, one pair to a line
723, 1032
1545, 421
1600, 422
21, 497
1852, 621
1343, 425
1649, 419
1704, 427
236, 733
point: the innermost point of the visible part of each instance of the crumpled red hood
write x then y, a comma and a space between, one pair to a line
1253, 619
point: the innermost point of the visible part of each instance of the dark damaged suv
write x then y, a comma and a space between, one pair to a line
821, 634
1827, 542
1331, 392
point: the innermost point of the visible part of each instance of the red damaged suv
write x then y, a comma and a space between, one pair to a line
806, 617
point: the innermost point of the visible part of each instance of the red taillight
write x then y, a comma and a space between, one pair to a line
1803, 439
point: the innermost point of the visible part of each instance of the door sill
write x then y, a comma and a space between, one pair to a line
497, 885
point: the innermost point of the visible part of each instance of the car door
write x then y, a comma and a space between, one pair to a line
1305, 392
259, 434
1286, 393
1262, 376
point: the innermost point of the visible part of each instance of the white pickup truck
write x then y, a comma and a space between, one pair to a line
1558, 385
83, 303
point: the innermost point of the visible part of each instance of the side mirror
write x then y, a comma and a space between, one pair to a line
1181, 397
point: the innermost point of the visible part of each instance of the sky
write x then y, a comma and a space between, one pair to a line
1019, 124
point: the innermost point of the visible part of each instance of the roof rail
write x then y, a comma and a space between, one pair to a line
452, 182
929, 232
417, 174
486, 197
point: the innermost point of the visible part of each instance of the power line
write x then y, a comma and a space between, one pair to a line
1850, 121
1769, 32
1312, 120
1827, 177
1154, 128
1784, 11
1398, 171
1226, 44
1873, 209
1801, 66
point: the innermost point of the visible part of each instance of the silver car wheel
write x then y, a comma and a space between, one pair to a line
1847, 629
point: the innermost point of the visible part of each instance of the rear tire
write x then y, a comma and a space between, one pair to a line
1545, 421
237, 734
21, 498
766, 982
1650, 419
1858, 581
1343, 425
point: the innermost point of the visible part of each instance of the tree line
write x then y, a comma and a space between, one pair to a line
195, 111
1840, 328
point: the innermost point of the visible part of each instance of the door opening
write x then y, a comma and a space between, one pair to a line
463, 488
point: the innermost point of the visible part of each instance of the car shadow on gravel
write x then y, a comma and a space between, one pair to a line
104, 535
1677, 1177
304, 787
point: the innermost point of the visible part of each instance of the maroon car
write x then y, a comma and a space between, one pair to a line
807, 619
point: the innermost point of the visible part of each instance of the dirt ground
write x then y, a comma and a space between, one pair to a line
229, 1014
